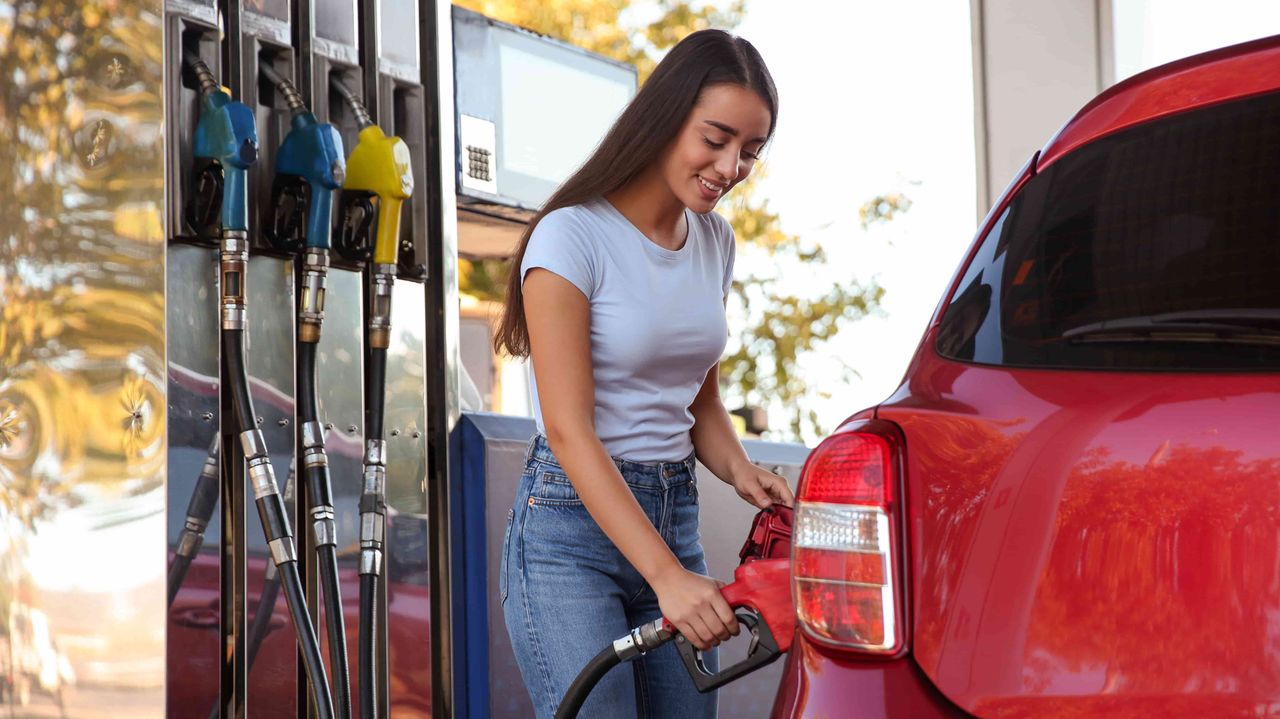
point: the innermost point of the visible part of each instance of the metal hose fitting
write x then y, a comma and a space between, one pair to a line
208, 83
357, 107
315, 271
381, 282
290, 92
233, 262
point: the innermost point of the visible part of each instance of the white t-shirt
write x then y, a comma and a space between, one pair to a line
657, 319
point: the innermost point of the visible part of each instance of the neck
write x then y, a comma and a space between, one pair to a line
651, 206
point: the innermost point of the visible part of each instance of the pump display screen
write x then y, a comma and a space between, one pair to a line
540, 139
278, 9
336, 21
399, 32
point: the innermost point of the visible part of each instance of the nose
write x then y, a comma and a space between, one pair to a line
726, 166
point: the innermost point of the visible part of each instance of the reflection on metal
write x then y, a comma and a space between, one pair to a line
193, 637
269, 358
340, 392
408, 537
81, 364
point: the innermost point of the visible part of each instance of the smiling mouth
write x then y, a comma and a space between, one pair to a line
711, 186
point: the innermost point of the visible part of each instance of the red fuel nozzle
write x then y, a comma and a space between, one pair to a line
761, 597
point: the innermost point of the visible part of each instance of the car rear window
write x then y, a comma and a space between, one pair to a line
1156, 248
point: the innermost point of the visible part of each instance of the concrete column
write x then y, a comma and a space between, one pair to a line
1035, 62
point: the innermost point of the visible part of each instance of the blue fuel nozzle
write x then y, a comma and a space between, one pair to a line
226, 133
312, 152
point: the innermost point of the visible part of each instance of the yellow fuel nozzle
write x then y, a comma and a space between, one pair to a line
380, 164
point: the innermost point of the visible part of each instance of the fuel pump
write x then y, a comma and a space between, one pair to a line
379, 174
310, 167
227, 143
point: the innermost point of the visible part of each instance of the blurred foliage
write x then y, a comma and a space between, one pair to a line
484, 279
761, 367
882, 208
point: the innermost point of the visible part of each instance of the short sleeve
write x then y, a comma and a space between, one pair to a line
730, 253
561, 243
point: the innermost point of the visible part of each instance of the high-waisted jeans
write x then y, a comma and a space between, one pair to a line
567, 592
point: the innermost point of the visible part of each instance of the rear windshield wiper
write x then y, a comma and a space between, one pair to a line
1241, 326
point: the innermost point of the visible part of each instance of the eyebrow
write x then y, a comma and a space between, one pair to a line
731, 130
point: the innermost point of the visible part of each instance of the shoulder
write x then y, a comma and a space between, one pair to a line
571, 219
714, 225
566, 227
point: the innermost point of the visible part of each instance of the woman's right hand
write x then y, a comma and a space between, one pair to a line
694, 605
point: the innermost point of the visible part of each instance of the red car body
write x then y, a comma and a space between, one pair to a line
1080, 542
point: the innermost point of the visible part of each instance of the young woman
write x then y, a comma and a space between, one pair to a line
617, 292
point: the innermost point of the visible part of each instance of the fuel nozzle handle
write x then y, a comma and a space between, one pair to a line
761, 598
226, 133
311, 154
381, 165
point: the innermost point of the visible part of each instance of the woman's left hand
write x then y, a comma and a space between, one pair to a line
761, 487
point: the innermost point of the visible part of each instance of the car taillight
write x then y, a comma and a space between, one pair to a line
846, 547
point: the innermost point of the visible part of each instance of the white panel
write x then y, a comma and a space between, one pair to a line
555, 114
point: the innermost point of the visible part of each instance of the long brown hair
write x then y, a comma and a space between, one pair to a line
644, 129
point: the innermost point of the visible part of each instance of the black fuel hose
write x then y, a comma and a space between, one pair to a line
375, 374
262, 615
372, 525
640, 640
586, 680
368, 645
275, 521
320, 495
199, 510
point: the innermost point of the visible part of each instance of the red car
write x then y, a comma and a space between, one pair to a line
1071, 505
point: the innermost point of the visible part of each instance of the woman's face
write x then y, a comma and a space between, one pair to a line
717, 146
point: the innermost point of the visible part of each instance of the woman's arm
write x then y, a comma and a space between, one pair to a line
718, 448
559, 316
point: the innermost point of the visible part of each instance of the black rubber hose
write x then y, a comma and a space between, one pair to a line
311, 658
586, 680
275, 525
199, 511
337, 626
375, 389
262, 615
320, 493
238, 379
368, 646
178, 573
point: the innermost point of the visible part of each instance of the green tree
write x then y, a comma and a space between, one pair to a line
778, 326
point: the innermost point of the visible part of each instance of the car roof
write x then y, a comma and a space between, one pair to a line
1228, 73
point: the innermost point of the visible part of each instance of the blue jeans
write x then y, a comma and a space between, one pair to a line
567, 592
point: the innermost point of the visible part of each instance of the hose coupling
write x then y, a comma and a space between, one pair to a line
282, 550
210, 469
191, 539
315, 271
261, 474
641, 640
313, 454
381, 283
263, 478
233, 263
323, 525
375, 453
371, 562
